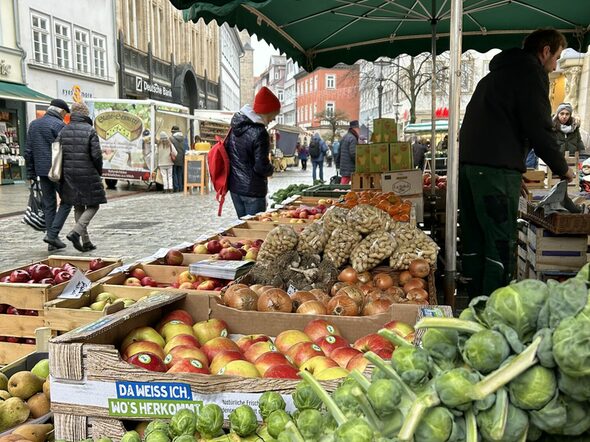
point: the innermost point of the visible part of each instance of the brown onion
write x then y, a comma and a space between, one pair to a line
348, 275
353, 293
256, 288
376, 307
404, 277
275, 300
337, 287
342, 305
299, 298
364, 277
417, 295
383, 281
312, 308
320, 295
241, 299
373, 295
232, 288
419, 268
264, 288
395, 291
414, 283
366, 288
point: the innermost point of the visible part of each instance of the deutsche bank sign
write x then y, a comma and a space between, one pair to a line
142, 85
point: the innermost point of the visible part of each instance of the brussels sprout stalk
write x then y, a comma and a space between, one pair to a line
419, 407
394, 338
501, 411
460, 325
334, 410
470, 426
360, 379
506, 373
370, 415
389, 372
293, 432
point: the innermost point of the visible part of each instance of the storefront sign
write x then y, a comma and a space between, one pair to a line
73, 92
144, 86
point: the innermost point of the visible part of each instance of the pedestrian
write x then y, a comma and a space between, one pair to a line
197, 140
348, 152
166, 156
317, 151
443, 144
508, 114
81, 180
419, 149
336, 153
180, 144
329, 156
567, 130
248, 149
303, 156
41, 134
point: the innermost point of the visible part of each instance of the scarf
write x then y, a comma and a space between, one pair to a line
567, 129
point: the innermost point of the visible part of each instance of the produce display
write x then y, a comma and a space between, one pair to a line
224, 249
185, 281
440, 181
44, 274
282, 194
294, 214
396, 207
413, 244
7, 309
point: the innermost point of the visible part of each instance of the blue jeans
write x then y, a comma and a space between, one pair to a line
315, 165
178, 178
248, 205
54, 218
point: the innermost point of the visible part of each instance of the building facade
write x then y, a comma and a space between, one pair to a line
246, 70
231, 51
273, 78
289, 104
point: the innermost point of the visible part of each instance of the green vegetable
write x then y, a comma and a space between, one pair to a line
157, 436
454, 387
209, 420
156, 425
435, 426
565, 299
413, 365
514, 429
486, 350
183, 422
355, 430
545, 351
131, 436
570, 344
309, 423
304, 397
441, 345
276, 422
576, 388
269, 402
552, 417
533, 389
384, 396
243, 421
184, 438
345, 400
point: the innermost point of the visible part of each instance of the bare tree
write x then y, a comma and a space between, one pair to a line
333, 119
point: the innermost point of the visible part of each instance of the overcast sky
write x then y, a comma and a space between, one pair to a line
262, 53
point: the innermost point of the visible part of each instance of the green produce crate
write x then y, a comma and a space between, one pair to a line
327, 190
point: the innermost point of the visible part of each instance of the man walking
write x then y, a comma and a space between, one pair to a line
42, 132
180, 143
317, 151
509, 112
348, 152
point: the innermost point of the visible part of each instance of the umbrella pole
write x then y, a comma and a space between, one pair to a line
456, 30
433, 22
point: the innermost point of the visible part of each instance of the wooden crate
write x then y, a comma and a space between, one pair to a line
534, 179
572, 162
366, 181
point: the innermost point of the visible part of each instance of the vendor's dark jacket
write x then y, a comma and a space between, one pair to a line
248, 147
82, 163
178, 141
348, 153
510, 105
42, 132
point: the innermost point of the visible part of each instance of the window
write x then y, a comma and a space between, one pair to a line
330, 81
277, 74
82, 49
40, 39
62, 45
306, 89
330, 108
280, 95
99, 51
305, 113
315, 86
315, 110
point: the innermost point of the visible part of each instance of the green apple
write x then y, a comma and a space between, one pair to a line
41, 369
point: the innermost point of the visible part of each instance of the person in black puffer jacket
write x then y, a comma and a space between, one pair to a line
248, 148
81, 174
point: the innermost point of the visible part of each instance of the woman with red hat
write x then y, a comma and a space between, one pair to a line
248, 148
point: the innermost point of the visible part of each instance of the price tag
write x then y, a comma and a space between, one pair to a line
121, 269
291, 290
76, 287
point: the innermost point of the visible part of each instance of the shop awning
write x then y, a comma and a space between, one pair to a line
441, 126
20, 92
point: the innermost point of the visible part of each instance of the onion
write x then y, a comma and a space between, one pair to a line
353, 293
365, 277
417, 295
232, 288
404, 277
419, 268
342, 305
338, 286
348, 275
383, 281
299, 298
275, 300
376, 307
395, 291
320, 295
264, 288
373, 295
366, 288
312, 308
256, 288
241, 299
414, 283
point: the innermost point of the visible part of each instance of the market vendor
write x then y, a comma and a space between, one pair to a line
509, 106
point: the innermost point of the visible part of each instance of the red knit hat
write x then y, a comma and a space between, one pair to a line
266, 102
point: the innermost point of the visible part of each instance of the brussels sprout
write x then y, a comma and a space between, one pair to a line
552, 417
545, 351
441, 345
562, 415
570, 344
565, 299
486, 350
184, 438
345, 400
304, 397
276, 422
355, 430
209, 420
158, 436
517, 306
384, 396
454, 387
269, 402
413, 364
458, 432
533, 389
309, 423
392, 423
378, 373
329, 424
468, 315
243, 421
516, 425
183, 422
578, 417
131, 436
156, 425
576, 388
436, 426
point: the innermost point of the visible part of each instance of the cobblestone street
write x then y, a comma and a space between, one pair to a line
130, 227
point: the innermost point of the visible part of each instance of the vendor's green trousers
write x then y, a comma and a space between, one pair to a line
488, 202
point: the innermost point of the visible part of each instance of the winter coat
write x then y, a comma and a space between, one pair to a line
179, 141
303, 153
323, 149
81, 163
348, 153
569, 142
164, 152
510, 105
42, 132
419, 153
248, 148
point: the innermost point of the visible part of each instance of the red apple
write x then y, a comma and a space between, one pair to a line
142, 334
176, 315
40, 271
223, 358
19, 276
401, 328
343, 355
318, 364
12, 310
318, 328
138, 273
185, 352
96, 264
174, 258
149, 361
62, 276
281, 372
5, 278
258, 243
12, 339
143, 347
258, 349
269, 360
49, 281
132, 281
244, 369
3, 308
182, 339
216, 345
330, 343
230, 254
30, 341
206, 285
189, 366
384, 353
359, 362
372, 342
303, 351
246, 341
214, 246
148, 281
209, 329
29, 312
288, 338
69, 267
56, 270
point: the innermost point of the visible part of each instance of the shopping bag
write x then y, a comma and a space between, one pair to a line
56, 161
34, 215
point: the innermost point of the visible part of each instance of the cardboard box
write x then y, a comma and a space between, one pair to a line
401, 156
379, 161
542, 239
363, 158
384, 130
522, 269
403, 182
556, 259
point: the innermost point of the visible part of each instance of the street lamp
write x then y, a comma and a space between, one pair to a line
380, 63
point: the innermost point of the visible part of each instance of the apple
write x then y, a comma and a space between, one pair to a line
331, 373
384, 353
189, 365
62, 277
258, 242
183, 339
12, 310
49, 281
176, 315
70, 268
40, 271
372, 342
30, 341
171, 329
288, 338
251, 254
200, 249
132, 281
269, 360
214, 246
358, 362
96, 264
149, 361
225, 243
319, 328
142, 334
148, 281
330, 343
174, 258
230, 254
244, 342
317, 364
29, 312
5, 278
3, 308
56, 270
143, 347
19, 276
343, 355
281, 372
185, 352
244, 369
138, 273
258, 349
216, 345
209, 329
401, 328
206, 285
105, 296
223, 358
186, 276
303, 351
186, 286
12, 339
